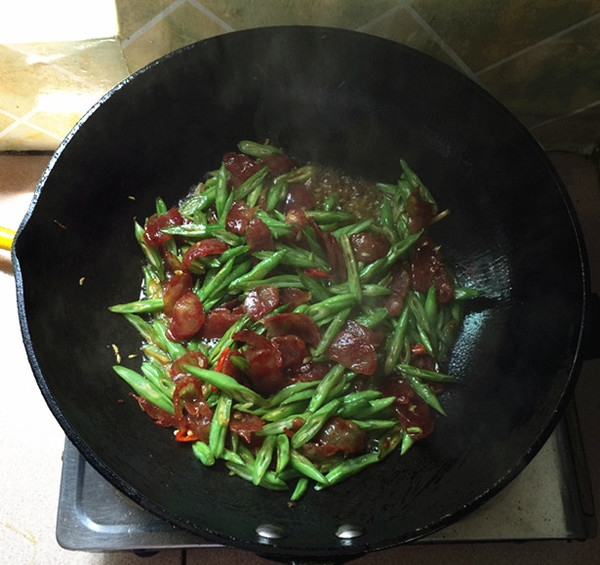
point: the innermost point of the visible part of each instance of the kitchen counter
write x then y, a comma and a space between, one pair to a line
32, 441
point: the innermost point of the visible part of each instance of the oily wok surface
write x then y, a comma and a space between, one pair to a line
350, 101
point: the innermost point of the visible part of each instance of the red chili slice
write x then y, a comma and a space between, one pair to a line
293, 323
353, 350
317, 273
210, 246
238, 217
188, 317
369, 247
193, 358
153, 235
258, 236
261, 301
227, 367
178, 285
418, 349
217, 322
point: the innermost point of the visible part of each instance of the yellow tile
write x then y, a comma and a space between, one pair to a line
20, 81
133, 14
241, 14
57, 124
5, 120
36, 71
26, 138
176, 29
98, 63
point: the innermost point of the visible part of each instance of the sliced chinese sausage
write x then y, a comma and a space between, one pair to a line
265, 369
191, 358
298, 198
153, 234
252, 338
420, 212
338, 434
260, 301
258, 236
210, 246
353, 351
187, 318
218, 321
293, 323
292, 350
240, 166
178, 285
238, 217
399, 285
278, 164
244, 424
369, 247
294, 297
427, 269
415, 417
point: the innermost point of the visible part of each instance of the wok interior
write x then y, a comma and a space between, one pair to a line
341, 99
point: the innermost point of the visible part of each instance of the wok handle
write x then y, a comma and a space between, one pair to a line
6, 238
590, 346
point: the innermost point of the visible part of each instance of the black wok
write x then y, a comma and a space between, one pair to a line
343, 99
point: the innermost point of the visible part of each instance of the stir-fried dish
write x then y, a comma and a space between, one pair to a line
295, 322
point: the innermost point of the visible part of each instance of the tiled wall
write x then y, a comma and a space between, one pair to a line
540, 58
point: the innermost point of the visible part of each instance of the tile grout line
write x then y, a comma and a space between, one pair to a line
23, 120
443, 45
212, 16
125, 42
573, 113
151, 23
537, 44
365, 27
56, 66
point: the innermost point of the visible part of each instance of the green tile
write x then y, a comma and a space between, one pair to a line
400, 26
485, 32
553, 79
243, 14
578, 132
